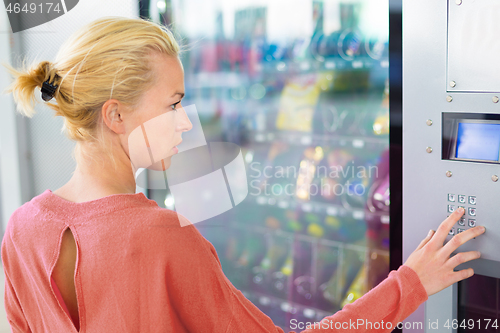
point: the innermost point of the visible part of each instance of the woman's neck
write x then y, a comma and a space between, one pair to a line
97, 177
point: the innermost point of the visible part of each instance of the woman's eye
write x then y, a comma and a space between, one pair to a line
174, 105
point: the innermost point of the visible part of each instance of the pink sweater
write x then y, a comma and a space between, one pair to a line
139, 271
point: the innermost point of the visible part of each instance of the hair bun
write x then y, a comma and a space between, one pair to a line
47, 72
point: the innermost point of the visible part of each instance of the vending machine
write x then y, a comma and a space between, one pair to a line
302, 88
451, 149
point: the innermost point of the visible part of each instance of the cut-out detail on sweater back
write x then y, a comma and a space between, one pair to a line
63, 275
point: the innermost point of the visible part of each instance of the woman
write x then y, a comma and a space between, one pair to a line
94, 256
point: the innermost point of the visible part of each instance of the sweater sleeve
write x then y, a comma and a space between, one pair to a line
383, 307
13, 308
204, 299
15, 314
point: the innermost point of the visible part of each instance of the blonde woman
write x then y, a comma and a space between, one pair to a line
94, 256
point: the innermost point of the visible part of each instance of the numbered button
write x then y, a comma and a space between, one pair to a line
472, 200
451, 208
472, 211
460, 230
461, 199
461, 222
451, 197
472, 223
452, 231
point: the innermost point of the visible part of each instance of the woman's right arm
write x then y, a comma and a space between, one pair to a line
205, 299
381, 309
428, 270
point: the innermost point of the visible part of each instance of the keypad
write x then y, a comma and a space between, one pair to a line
464, 201
472, 211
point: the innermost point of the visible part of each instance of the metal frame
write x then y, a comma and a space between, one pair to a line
428, 177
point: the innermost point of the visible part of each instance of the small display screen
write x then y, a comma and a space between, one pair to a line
477, 141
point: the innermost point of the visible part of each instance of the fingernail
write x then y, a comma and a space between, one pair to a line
483, 228
430, 232
460, 210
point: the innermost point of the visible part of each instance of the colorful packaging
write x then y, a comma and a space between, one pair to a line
298, 102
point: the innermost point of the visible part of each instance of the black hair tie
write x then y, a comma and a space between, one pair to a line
48, 90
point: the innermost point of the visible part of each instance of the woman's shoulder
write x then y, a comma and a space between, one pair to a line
158, 216
22, 218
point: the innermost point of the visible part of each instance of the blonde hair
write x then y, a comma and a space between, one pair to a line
107, 58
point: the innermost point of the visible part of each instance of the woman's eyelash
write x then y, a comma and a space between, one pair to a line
174, 105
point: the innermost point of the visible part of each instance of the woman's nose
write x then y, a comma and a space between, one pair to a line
184, 124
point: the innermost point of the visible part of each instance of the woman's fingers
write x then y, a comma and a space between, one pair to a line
445, 227
461, 238
462, 275
431, 260
463, 257
426, 239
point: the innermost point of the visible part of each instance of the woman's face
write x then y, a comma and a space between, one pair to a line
155, 127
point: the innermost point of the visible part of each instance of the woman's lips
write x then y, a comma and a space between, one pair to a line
175, 149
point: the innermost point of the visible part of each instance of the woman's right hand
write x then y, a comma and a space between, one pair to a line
431, 260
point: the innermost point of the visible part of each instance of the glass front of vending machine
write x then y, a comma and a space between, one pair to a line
302, 88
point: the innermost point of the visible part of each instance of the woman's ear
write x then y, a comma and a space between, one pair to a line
112, 115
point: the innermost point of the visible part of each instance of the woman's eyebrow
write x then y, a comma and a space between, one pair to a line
179, 93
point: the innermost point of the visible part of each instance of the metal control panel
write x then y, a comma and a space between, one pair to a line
451, 130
